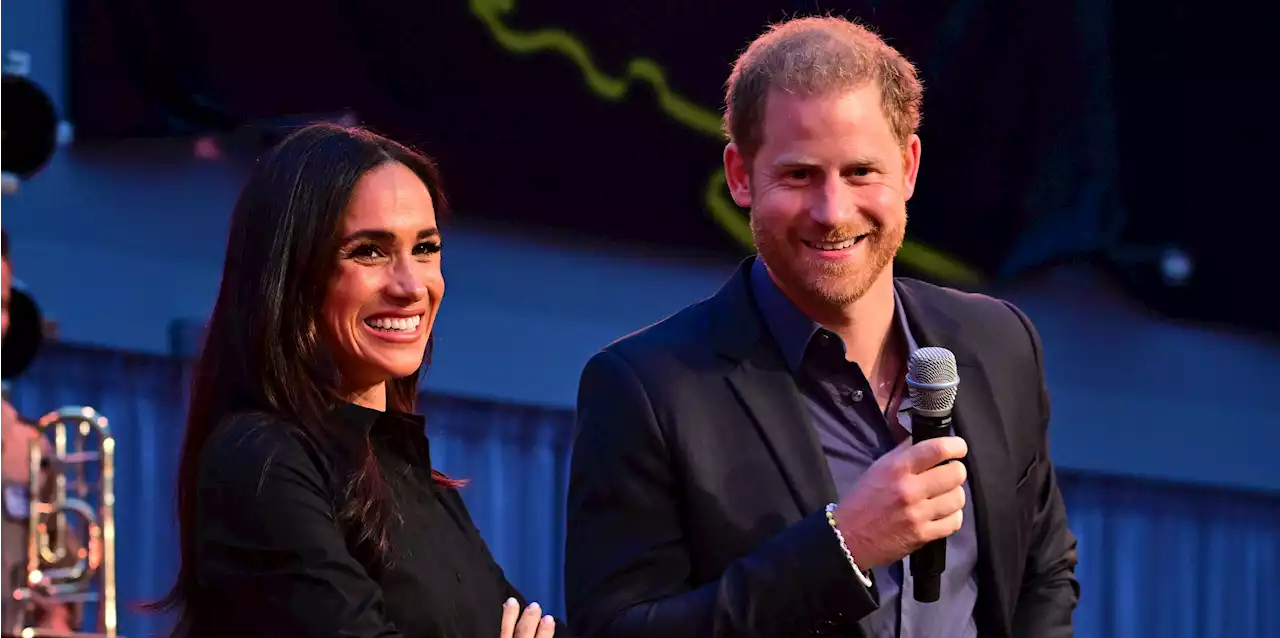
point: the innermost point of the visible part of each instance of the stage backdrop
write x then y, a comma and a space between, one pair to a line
1050, 127
603, 118
1156, 560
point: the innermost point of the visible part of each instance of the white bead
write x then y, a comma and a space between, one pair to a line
831, 520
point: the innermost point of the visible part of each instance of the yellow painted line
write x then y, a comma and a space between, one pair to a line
724, 211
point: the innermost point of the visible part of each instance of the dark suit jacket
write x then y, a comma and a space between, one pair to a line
698, 485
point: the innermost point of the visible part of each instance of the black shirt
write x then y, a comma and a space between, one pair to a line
273, 559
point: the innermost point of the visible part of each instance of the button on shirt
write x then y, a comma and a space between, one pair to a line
854, 433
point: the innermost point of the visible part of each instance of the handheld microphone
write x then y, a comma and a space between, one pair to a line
932, 381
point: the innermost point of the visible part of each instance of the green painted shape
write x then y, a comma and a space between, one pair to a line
725, 212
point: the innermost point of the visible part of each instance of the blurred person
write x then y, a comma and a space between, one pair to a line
21, 333
745, 467
307, 504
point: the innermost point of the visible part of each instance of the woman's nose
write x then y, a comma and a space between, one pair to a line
405, 283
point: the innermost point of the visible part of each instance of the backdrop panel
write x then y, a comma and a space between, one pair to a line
573, 102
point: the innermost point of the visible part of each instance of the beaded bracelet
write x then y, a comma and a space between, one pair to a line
831, 520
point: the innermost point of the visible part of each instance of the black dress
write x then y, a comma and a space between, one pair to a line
273, 559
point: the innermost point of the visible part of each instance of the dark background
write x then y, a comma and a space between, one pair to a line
522, 138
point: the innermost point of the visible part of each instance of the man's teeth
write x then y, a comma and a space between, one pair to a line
395, 325
829, 245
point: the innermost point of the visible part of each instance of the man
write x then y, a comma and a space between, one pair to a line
744, 467
20, 332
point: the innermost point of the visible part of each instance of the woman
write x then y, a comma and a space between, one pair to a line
307, 504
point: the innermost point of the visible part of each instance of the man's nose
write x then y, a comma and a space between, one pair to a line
833, 205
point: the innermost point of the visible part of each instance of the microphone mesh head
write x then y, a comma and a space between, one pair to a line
932, 379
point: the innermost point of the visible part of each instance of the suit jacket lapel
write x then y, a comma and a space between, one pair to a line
764, 385
977, 421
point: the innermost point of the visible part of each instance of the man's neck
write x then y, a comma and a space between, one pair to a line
868, 330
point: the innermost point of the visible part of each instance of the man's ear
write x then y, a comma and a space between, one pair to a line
910, 166
737, 173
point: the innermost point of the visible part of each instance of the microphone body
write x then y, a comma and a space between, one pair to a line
932, 380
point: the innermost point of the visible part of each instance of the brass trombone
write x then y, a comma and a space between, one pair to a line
71, 540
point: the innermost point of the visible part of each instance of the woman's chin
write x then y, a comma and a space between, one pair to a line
399, 369
374, 363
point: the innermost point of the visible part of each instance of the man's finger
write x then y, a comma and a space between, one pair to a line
927, 454
942, 479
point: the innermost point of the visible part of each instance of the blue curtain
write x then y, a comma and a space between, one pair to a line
1173, 561
517, 461
1156, 560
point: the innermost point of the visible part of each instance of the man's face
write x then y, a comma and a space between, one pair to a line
4, 281
828, 191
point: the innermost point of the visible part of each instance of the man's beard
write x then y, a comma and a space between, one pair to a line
825, 283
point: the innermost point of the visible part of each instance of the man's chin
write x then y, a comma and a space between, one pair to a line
842, 286
840, 294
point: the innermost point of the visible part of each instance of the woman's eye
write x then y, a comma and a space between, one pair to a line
426, 248
364, 251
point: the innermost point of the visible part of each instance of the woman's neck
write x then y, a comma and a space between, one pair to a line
374, 398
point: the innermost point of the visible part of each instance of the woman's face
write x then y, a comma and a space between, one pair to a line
383, 298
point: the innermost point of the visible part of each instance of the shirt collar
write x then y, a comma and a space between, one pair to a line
791, 328
368, 421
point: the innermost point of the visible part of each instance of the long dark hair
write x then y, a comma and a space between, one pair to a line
261, 351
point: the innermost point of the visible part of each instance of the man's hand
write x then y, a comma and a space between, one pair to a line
903, 501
